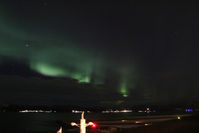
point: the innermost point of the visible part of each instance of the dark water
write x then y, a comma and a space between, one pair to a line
49, 122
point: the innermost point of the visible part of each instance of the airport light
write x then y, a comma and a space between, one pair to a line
83, 124
94, 125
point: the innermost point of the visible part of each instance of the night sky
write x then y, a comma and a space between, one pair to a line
58, 53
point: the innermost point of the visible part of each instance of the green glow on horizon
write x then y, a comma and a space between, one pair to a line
123, 89
48, 70
81, 78
85, 80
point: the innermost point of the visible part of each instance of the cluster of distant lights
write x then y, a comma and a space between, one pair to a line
37, 111
147, 110
79, 111
117, 111
105, 111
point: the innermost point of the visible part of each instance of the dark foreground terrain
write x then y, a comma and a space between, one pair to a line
185, 125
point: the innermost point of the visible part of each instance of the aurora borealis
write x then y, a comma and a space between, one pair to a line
109, 53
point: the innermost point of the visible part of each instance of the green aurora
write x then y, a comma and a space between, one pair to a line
119, 53
57, 57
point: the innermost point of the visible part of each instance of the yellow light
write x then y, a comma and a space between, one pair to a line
179, 118
124, 120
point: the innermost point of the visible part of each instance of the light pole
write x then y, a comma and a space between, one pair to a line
82, 124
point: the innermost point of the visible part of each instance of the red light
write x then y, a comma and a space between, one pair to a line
94, 125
